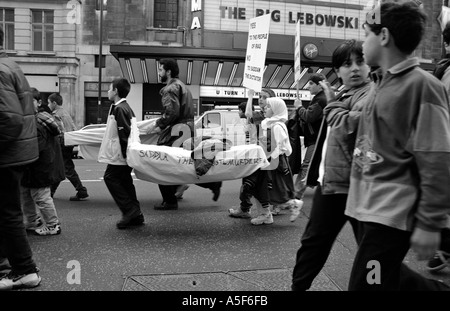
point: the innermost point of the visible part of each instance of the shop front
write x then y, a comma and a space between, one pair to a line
214, 77
212, 58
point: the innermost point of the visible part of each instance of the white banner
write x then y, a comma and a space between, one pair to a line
255, 59
171, 165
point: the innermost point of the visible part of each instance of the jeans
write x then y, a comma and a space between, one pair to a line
69, 170
325, 223
41, 198
119, 182
388, 246
300, 181
13, 236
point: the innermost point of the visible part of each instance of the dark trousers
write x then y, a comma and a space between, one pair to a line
445, 240
69, 169
325, 223
211, 185
245, 197
255, 185
168, 193
14, 240
119, 182
388, 246
283, 184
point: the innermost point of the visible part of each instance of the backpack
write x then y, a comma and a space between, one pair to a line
440, 68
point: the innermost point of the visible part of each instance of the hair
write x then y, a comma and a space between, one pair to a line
344, 51
46, 108
269, 91
55, 97
446, 33
36, 93
317, 77
172, 65
123, 87
405, 22
242, 106
2, 35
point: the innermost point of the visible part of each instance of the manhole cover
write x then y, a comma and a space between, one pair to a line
247, 280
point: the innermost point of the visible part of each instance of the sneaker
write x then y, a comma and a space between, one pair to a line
239, 213
80, 196
48, 230
12, 281
440, 260
275, 210
296, 207
263, 219
286, 205
180, 191
32, 227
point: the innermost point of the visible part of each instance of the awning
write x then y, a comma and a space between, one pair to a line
211, 67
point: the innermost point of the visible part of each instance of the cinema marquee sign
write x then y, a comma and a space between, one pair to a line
337, 19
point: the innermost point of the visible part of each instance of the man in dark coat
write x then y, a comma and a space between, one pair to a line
310, 120
178, 117
19, 147
295, 131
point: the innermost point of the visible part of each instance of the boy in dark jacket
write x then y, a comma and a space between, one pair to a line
117, 176
400, 170
40, 175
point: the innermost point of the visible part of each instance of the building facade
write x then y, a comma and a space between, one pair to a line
58, 45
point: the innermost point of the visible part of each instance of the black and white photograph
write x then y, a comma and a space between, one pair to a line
225, 154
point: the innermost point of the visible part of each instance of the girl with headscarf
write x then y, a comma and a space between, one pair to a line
278, 147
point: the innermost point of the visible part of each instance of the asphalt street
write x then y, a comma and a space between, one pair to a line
197, 247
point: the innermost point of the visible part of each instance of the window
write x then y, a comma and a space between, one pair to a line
97, 62
7, 22
42, 24
211, 120
166, 14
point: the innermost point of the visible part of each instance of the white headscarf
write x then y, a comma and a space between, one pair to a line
279, 116
279, 110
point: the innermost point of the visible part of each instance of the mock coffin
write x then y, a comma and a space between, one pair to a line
171, 165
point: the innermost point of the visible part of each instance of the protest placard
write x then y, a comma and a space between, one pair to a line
255, 58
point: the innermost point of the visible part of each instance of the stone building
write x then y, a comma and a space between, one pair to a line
57, 43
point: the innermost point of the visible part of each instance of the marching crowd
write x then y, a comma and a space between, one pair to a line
377, 155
